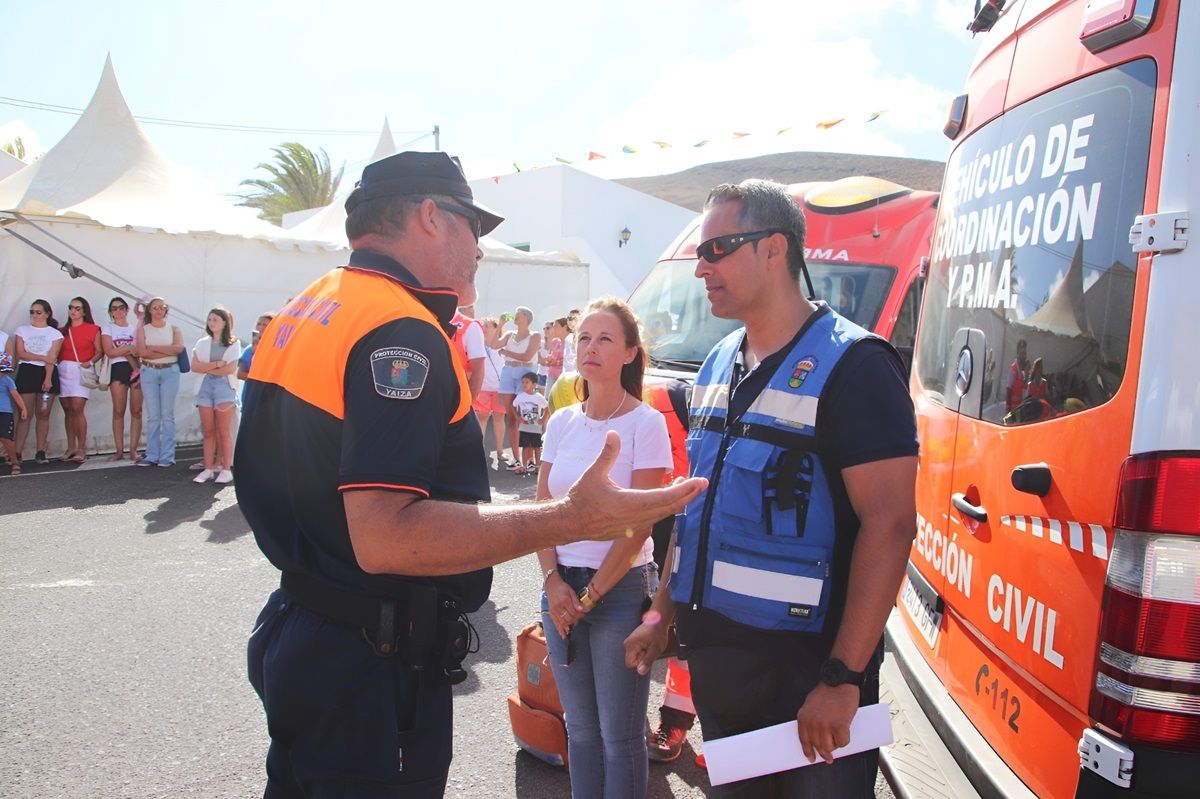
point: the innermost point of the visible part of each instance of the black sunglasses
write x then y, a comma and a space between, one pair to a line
74, 307
720, 247
465, 213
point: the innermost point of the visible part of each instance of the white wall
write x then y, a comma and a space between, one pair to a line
555, 208
195, 272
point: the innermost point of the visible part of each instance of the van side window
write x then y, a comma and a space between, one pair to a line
905, 331
1031, 270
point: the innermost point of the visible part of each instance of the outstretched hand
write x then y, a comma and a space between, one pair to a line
605, 511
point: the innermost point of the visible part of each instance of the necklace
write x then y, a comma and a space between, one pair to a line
600, 425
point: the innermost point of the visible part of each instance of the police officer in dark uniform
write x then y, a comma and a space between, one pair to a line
788, 567
360, 469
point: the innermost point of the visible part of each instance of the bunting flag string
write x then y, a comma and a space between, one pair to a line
661, 144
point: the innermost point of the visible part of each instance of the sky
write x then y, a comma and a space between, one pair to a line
510, 84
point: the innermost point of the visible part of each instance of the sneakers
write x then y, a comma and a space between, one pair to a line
204, 476
41, 458
495, 464
512, 466
166, 464
225, 476
665, 744
143, 462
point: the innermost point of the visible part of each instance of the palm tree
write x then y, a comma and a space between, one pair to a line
300, 179
15, 148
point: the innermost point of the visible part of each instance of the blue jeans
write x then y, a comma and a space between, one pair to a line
159, 387
604, 702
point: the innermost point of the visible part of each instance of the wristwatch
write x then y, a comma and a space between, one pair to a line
834, 673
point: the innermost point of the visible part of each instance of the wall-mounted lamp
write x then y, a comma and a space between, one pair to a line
625, 234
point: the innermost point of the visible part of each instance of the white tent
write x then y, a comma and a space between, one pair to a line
106, 199
9, 164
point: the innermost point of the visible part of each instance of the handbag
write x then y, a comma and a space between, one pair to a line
184, 362
104, 372
87, 374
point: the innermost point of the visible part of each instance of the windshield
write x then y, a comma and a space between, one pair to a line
680, 330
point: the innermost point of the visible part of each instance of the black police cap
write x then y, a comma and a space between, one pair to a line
420, 174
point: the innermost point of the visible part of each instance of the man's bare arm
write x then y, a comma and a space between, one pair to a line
883, 496
399, 533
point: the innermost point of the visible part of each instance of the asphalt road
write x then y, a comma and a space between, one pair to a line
126, 596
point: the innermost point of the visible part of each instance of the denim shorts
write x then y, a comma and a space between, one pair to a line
510, 378
215, 390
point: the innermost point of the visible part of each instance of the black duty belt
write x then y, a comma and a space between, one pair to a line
419, 626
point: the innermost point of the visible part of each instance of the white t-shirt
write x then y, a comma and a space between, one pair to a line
569, 353
573, 441
493, 362
473, 341
529, 411
121, 337
38, 340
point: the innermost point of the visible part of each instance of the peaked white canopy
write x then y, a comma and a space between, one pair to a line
329, 223
107, 170
9, 164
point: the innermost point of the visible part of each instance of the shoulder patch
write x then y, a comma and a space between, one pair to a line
801, 370
398, 372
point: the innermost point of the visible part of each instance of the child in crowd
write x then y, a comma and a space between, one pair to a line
531, 410
9, 396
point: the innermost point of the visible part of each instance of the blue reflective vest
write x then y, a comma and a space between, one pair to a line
758, 545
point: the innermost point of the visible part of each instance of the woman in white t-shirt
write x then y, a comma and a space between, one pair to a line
215, 362
487, 402
595, 592
36, 346
119, 340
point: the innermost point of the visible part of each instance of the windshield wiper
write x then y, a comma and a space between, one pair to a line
689, 366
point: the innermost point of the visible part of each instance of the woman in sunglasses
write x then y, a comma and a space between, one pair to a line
119, 340
158, 346
80, 349
37, 347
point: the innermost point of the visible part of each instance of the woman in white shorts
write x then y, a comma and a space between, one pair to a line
215, 361
80, 350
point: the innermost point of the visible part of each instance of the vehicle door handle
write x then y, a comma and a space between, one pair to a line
967, 509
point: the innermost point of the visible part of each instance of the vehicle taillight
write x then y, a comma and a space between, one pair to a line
1147, 687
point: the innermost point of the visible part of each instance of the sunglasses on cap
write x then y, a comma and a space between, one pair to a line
720, 247
465, 213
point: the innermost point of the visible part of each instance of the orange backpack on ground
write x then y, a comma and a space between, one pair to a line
534, 709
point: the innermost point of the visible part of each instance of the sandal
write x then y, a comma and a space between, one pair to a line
79, 458
67, 456
16, 469
116, 456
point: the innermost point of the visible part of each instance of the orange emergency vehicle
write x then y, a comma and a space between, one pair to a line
864, 248
1049, 624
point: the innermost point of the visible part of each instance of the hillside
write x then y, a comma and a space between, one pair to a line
690, 187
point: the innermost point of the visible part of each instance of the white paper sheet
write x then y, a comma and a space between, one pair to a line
774, 749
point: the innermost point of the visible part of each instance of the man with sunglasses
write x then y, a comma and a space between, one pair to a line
361, 470
787, 568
